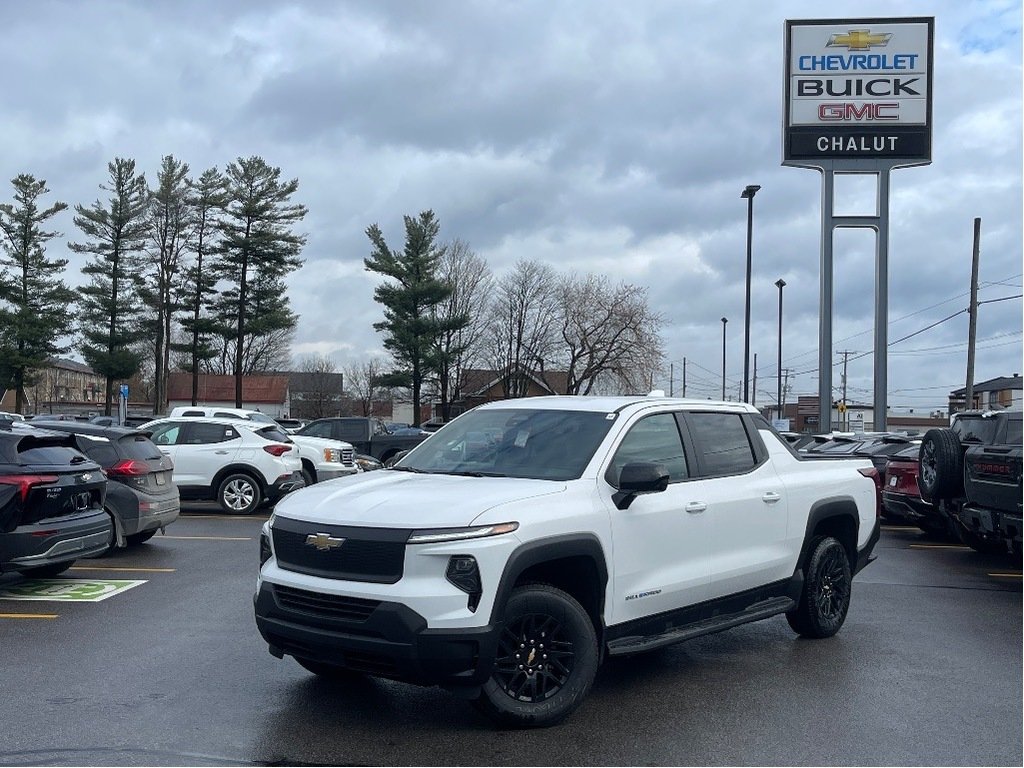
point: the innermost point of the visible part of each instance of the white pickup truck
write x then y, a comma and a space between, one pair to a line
508, 554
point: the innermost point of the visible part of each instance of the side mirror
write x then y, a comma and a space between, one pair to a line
639, 477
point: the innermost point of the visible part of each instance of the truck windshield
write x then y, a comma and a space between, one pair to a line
513, 442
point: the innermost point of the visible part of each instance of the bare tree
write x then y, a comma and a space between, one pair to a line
522, 320
321, 388
361, 384
609, 336
460, 344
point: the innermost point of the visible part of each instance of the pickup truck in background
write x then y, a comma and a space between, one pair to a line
368, 435
508, 555
971, 472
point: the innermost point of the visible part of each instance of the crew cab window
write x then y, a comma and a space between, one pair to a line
653, 439
1014, 433
166, 434
205, 434
722, 445
321, 429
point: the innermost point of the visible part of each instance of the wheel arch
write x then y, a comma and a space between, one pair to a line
239, 469
574, 563
837, 517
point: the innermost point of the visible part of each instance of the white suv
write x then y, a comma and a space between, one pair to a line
322, 458
239, 464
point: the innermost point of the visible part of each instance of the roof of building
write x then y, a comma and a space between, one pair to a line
997, 384
221, 389
476, 381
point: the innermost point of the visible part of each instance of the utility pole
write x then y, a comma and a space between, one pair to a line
684, 377
671, 377
846, 354
972, 329
753, 386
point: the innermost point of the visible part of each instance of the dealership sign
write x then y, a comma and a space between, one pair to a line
858, 89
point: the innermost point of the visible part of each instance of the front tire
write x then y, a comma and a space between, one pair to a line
546, 660
239, 494
825, 598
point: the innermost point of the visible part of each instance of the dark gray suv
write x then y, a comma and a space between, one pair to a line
141, 499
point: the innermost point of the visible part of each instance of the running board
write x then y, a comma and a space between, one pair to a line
756, 612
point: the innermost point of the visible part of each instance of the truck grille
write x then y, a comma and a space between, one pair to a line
348, 457
330, 606
365, 554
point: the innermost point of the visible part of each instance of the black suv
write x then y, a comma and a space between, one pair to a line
51, 502
141, 498
972, 473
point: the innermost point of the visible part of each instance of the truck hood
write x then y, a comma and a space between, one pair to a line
389, 499
318, 443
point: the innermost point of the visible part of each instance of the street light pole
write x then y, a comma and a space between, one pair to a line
724, 321
748, 193
780, 284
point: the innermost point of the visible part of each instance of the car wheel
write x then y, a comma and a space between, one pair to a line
329, 671
47, 571
942, 465
546, 659
825, 598
239, 494
139, 538
307, 477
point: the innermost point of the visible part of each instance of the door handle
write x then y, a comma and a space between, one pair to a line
693, 507
221, 453
771, 497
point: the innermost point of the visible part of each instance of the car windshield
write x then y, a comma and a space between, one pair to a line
512, 442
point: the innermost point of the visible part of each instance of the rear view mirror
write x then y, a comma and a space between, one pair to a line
639, 477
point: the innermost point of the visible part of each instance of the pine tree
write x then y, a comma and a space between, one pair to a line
34, 300
110, 306
257, 248
198, 293
411, 324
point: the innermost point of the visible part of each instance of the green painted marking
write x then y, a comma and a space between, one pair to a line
67, 590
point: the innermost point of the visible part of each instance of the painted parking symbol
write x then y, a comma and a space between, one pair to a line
68, 590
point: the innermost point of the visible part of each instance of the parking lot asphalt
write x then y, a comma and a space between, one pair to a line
171, 671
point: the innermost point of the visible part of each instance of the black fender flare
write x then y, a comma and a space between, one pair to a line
546, 550
842, 507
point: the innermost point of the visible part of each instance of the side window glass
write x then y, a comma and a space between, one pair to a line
167, 434
318, 430
193, 413
206, 434
721, 442
653, 439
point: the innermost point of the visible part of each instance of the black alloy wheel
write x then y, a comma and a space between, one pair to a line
546, 659
825, 598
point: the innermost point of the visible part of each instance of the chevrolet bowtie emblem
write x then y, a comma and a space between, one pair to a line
859, 40
323, 541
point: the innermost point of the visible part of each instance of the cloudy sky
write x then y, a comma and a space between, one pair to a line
597, 136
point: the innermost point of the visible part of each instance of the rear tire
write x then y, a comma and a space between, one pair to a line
546, 660
825, 598
139, 538
47, 571
941, 474
308, 477
239, 494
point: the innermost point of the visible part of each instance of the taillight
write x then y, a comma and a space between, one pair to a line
25, 483
129, 467
276, 449
876, 478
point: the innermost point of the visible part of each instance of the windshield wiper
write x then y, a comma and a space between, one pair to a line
408, 469
472, 473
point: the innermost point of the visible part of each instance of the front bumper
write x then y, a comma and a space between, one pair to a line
380, 638
332, 471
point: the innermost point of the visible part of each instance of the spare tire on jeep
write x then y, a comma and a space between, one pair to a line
942, 465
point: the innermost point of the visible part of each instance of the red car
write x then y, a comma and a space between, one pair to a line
901, 495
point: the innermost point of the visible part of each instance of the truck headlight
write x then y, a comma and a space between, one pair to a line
438, 535
332, 455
